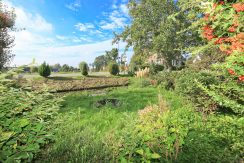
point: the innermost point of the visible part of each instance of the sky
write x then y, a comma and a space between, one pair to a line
66, 31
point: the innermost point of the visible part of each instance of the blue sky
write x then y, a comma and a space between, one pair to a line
66, 31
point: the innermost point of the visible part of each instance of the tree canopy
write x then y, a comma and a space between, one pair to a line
153, 30
7, 21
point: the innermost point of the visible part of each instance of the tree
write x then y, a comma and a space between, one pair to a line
100, 62
44, 70
153, 30
33, 69
112, 55
57, 66
113, 68
65, 68
7, 21
84, 68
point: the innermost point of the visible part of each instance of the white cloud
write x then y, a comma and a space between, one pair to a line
39, 41
29, 21
71, 55
74, 6
83, 27
59, 37
124, 9
118, 18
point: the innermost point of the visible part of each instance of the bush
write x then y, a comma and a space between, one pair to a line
44, 70
113, 68
186, 82
132, 69
166, 79
84, 68
140, 82
25, 122
34, 69
173, 132
155, 68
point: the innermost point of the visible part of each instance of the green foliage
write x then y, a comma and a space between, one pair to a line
113, 68
112, 55
153, 31
7, 22
84, 68
158, 134
65, 68
166, 79
100, 62
44, 70
155, 68
132, 69
140, 82
173, 132
86, 131
25, 121
228, 95
209, 91
217, 139
33, 69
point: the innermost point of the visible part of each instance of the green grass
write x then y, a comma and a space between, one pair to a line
85, 133
82, 127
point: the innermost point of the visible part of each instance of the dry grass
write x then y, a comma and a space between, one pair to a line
143, 73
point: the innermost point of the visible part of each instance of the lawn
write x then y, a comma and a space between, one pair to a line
82, 126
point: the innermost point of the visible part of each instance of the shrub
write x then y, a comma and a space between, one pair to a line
159, 132
34, 69
84, 68
166, 79
173, 132
132, 69
113, 68
44, 70
25, 122
140, 82
155, 68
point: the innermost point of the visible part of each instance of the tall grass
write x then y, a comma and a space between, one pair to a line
84, 131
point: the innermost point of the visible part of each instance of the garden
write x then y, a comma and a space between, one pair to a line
187, 109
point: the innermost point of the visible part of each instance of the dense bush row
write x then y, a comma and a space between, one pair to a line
25, 122
207, 89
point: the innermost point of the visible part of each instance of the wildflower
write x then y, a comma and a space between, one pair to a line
215, 5
239, 7
220, 40
241, 78
240, 36
232, 72
208, 32
232, 29
222, 3
206, 16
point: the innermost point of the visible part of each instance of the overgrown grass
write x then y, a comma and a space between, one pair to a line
82, 127
171, 131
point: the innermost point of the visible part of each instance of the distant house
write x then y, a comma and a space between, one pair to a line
156, 59
178, 62
55, 69
27, 69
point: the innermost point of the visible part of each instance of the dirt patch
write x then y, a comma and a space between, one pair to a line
75, 85
111, 102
